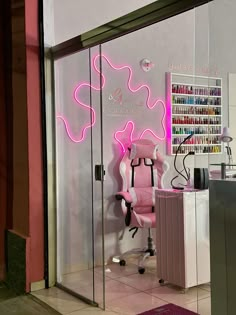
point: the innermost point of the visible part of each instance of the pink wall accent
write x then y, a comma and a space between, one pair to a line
24, 212
17, 64
36, 208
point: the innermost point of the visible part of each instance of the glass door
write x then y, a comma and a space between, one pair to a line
79, 173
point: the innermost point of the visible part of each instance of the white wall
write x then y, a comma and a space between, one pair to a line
232, 112
222, 52
73, 17
48, 19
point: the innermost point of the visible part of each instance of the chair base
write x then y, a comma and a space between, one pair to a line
144, 253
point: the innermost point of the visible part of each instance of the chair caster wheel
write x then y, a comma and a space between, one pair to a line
141, 270
161, 281
122, 262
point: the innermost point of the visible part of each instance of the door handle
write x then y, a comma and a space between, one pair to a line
99, 172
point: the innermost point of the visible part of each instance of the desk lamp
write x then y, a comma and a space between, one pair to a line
226, 138
186, 176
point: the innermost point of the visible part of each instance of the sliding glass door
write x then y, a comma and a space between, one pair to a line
79, 173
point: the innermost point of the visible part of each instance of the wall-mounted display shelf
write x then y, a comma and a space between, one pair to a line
194, 106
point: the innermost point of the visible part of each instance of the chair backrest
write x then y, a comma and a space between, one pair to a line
142, 166
142, 169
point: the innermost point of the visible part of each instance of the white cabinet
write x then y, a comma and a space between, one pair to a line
182, 237
194, 105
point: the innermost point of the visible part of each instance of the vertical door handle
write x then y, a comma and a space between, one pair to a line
99, 172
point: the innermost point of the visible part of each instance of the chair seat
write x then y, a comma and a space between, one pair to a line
147, 220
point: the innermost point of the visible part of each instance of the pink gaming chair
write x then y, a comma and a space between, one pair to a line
142, 170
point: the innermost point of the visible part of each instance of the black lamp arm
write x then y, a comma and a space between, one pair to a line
176, 153
185, 169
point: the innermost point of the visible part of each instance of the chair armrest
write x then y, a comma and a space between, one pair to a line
128, 201
124, 195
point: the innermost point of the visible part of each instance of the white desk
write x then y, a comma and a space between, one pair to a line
182, 237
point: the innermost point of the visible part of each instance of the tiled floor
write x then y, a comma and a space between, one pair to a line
127, 292
13, 304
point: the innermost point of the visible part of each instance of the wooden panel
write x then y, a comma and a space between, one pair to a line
3, 155
18, 17
18, 37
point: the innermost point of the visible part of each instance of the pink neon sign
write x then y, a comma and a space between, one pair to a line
130, 134
88, 107
82, 136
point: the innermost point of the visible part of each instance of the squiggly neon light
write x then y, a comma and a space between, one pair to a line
122, 131
130, 122
93, 114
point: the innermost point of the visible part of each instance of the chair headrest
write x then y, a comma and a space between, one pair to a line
143, 149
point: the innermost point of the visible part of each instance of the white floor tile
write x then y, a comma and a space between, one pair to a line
202, 307
59, 300
115, 271
134, 304
114, 290
92, 311
206, 286
141, 282
81, 278
125, 296
176, 296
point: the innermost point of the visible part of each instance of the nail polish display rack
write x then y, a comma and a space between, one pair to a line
194, 105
